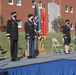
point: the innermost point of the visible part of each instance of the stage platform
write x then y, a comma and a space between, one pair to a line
49, 64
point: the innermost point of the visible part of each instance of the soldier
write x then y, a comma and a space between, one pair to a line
12, 35
30, 35
67, 35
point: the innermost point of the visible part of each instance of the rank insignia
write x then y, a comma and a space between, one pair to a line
13, 24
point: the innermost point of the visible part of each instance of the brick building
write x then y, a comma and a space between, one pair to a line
54, 8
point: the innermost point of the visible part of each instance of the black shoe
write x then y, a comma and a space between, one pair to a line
33, 56
29, 57
13, 60
67, 53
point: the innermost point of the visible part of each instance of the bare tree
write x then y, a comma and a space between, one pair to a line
1, 20
57, 24
2, 26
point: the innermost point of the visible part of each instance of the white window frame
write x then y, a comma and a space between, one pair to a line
33, 6
66, 9
20, 26
18, 4
11, 3
40, 6
71, 11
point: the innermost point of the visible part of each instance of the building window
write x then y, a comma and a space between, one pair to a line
33, 3
11, 2
71, 9
19, 24
66, 9
18, 2
40, 4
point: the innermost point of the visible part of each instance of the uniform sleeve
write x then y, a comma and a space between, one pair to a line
64, 30
26, 28
8, 28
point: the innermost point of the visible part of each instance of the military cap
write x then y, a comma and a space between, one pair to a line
67, 20
30, 15
14, 12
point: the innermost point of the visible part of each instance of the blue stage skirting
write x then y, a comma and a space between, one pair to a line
57, 67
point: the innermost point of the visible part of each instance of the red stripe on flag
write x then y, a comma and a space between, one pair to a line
43, 23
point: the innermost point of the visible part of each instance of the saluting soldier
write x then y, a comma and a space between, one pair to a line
30, 35
12, 35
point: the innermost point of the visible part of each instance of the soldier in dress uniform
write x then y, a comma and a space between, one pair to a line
67, 35
12, 35
30, 35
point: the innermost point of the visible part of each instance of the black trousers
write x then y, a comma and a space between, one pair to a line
13, 48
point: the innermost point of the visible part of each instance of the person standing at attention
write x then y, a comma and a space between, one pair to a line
30, 35
66, 35
12, 35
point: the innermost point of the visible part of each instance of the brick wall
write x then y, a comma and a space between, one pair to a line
26, 8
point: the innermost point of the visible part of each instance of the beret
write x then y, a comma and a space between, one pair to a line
30, 15
14, 12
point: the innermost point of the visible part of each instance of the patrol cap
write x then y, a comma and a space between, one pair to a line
14, 12
30, 15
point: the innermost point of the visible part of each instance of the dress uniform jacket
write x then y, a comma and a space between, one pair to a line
29, 30
66, 31
12, 29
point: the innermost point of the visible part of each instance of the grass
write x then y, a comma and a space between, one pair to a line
22, 42
48, 42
